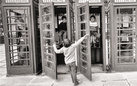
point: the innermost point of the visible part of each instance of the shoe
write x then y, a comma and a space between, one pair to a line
78, 82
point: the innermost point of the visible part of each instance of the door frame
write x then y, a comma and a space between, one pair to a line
103, 31
114, 56
11, 70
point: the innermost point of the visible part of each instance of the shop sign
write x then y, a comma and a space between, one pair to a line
17, 1
125, 0
90, 1
53, 0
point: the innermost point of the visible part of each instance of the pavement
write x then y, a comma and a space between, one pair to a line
98, 79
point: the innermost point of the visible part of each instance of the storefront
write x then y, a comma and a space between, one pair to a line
121, 16
51, 14
21, 36
90, 18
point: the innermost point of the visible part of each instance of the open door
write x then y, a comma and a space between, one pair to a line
85, 49
70, 20
47, 39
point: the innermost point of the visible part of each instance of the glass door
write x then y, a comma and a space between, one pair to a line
70, 14
85, 49
47, 39
126, 37
18, 36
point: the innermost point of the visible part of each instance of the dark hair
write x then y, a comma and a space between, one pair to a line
93, 17
64, 17
66, 43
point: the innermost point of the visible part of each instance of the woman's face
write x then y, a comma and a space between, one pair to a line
92, 19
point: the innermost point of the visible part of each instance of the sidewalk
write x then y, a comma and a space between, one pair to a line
98, 79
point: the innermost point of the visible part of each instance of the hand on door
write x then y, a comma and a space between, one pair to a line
86, 36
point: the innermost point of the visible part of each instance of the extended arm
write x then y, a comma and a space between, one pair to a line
56, 50
80, 40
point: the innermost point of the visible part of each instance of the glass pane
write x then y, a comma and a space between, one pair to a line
84, 65
46, 18
48, 42
82, 10
46, 26
126, 60
82, 18
84, 57
49, 64
48, 49
83, 49
83, 26
46, 10
48, 57
47, 34
83, 33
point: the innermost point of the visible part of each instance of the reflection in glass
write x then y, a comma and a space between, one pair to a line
49, 64
82, 10
83, 49
83, 26
48, 34
48, 57
84, 57
84, 64
126, 60
46, 10
83, 33
126, 53
47, 18
47, 26
48, 42
48, 49
82, 17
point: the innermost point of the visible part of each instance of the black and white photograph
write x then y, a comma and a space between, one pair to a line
68, 43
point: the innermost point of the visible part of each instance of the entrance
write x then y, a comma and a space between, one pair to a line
96, 38
51, 17
60, 12
90, 19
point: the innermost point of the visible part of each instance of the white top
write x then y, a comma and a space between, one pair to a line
69, 52
94, 24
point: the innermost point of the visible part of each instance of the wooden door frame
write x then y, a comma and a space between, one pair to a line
11, 70
114, 37
103, 31
54, 76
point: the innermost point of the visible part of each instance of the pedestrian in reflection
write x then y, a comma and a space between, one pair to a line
68, 50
